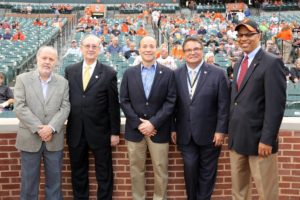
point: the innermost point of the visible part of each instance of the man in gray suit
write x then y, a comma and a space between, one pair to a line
42, 106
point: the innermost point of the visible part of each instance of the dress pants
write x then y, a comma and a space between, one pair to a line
137, 152
79, 158
200, 169
263, 170
30, 173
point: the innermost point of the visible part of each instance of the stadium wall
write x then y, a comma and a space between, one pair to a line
289, 168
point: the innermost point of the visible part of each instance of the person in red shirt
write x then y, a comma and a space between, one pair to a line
18, 36
141, 31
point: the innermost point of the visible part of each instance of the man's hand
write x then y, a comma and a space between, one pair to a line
174, 137
218, 139
45, 132
264, 150
114, 140
146, 128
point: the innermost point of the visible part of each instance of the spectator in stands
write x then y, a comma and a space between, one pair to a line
114, 48
37, 22
42, 107
73, 50
102, 41
29, 9
209, 58
15, 25
257, 108
124, 27
296, 44
235, 53
148, 107
6, 24
126, 47
6, 95
132, 31
94, 121
201, 119
201, 31
18, 36
177, 51
165, 59
231, 33
212, 40
141, 31
286, 36
295, 72
132, 52
115, 30
271, 47
7, 35
274, 19
221, 49
97, 31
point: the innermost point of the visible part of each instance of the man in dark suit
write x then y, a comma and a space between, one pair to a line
257, 105
94, 121
148, 97
201, 119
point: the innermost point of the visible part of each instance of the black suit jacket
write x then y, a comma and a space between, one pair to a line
208, 111
158, 108
257, 109
95, 112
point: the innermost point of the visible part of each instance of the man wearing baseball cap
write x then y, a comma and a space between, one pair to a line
257, 105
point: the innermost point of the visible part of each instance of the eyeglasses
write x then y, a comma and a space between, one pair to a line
247, 35
88, 46
197, 49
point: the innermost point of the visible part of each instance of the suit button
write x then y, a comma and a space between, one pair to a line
235, 103
83, 96
145, 115
147, 104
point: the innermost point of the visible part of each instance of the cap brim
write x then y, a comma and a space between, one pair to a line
250, 28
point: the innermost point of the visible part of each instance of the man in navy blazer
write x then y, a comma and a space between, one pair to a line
148, 97
201, 119
257, 105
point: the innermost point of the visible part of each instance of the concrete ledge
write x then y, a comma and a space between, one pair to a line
10, 125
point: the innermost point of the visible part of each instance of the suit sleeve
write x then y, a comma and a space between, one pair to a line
223, 104
168, 106
60, 117
275, 98
129, 112
114, 105
23, 112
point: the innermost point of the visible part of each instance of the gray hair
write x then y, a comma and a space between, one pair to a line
49, 48
90, 36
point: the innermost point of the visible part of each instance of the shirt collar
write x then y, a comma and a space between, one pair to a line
92, 65
153, 66
46, 81
253, 53
196, 69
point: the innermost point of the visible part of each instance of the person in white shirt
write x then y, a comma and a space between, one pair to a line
74, 49
165, 59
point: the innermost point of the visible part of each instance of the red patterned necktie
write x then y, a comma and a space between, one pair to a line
243, 71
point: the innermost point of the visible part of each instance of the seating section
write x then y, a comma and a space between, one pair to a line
17, 56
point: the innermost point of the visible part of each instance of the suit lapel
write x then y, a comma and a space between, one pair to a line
37, 87
159, 73
138, 79
96, 76
183, 83
250, 70
201, 79
78, 76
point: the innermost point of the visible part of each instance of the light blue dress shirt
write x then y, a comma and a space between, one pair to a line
148, 74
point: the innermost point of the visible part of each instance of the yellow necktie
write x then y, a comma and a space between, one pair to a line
86, 76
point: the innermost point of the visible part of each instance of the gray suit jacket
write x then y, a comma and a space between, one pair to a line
32, 110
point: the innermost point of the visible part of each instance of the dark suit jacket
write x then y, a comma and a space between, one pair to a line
257, 109
95, 112
158, 108
208, 111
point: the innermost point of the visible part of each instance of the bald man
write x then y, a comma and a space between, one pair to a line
148, 98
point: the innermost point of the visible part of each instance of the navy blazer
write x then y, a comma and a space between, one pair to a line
158, 108
208, 111
257, 109
95, 111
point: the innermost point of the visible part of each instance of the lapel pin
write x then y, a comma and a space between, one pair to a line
96, 76
205, 72
160, 72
